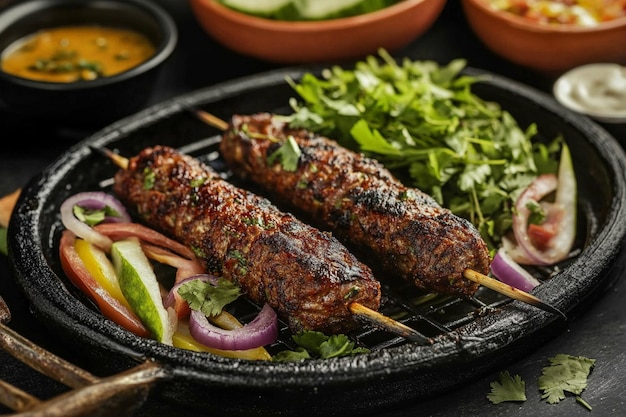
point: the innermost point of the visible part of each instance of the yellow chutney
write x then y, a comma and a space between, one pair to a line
72, 53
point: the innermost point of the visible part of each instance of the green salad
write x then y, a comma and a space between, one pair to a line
423, 121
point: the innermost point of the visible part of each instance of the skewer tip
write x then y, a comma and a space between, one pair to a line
511, 292
118, 160
209, 119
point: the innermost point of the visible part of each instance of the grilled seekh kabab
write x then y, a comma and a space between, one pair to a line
405, 231
306, 275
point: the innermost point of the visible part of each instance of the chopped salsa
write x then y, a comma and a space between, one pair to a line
573, 12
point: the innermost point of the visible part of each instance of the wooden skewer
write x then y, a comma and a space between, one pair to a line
118, 160
371, 316
472, 275
510, 291
386, 323
210, 119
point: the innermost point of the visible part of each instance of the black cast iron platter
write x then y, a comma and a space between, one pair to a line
475, 337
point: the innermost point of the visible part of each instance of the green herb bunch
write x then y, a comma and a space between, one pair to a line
424, 123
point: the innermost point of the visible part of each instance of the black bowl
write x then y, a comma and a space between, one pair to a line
476, 339
85, 103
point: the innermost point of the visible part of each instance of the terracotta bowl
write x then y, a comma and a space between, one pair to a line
547, 48
317, 41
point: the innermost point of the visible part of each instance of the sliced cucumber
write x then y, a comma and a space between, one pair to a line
272, 9
140, 287
306, 9
332, 9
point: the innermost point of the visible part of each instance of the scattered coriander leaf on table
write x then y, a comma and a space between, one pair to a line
565, 373
508, 389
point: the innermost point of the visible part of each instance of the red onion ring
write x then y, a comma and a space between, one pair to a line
510, 272
261, 331
561, 214
93, 200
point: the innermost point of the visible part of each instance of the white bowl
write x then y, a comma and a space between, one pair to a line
597, 90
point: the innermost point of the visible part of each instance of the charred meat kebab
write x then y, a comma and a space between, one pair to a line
306, 275
402, 229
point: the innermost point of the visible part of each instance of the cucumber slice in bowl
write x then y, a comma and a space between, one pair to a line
334, 9
270, 9
293, 10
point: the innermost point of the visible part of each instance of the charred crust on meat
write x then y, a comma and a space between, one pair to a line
304, 274
365, 206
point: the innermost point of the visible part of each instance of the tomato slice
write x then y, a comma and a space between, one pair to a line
560, 220
79, 275
540, 235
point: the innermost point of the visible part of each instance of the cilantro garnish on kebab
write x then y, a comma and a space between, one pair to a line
288, 154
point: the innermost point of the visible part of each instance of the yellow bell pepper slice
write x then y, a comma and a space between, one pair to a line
101, 268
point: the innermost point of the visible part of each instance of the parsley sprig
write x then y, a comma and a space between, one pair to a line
424, 122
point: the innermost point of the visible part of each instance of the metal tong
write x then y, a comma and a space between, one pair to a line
119, 395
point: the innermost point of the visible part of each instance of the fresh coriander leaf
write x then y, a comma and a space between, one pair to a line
291, 355
288, 153
537, 213
310, 340
94, 217
423, 121
209, 299
318, 345
565, 373
3, 241
338, 345
508, 389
